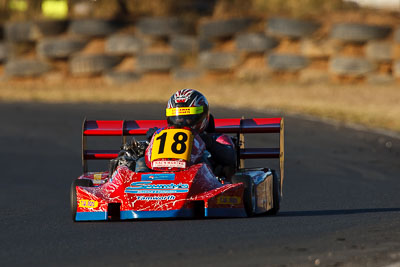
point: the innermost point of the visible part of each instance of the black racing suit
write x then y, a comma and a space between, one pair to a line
223, 154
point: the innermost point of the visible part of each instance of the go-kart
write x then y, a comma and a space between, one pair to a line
177, 184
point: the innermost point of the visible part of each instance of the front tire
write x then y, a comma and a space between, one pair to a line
276, 194
73, 199
248, 194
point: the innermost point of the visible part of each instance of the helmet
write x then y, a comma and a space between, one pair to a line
188, 108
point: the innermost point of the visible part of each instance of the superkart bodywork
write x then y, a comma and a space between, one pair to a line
194, 192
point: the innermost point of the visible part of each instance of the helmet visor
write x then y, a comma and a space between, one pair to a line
184, 116
182, 111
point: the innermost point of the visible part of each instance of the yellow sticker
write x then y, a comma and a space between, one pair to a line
228, 200
97, 176
172, 144
88, 204
184, 111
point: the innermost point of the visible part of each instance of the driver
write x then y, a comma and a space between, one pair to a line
221, 151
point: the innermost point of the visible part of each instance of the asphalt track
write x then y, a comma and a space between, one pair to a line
341, 203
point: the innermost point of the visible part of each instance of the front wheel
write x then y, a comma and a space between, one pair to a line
74, 201
248, 194
276, 194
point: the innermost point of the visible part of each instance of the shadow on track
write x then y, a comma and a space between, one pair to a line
334, 212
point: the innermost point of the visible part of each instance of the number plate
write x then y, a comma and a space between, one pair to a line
172, 144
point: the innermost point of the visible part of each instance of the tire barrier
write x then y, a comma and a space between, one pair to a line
19, 31
60, 48
186, 74
3, 52
92, 64
157, 62
255, 42
286, 62
121, 77
292, 28
379, 51
26, 31
223, 28
218, 61
162, 27
124, 44
26, 68
188, 44
308, 50
47, 28
357, 32
351, 66
94, 27
397, 35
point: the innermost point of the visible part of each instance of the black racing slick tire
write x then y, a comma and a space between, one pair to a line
276, 194
248, 194
74, 202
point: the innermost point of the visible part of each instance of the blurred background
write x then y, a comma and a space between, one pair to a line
333, 59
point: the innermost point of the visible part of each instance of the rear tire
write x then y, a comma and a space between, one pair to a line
74, 201
248, 194
276, 194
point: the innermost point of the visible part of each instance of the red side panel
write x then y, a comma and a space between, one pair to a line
119, 128
100, 154
262, 125
99, 128
272, 125
227, 125
140, 127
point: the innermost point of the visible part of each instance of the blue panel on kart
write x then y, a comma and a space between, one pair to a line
91, 216
182, 213
158, 176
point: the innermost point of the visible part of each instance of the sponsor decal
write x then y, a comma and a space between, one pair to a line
88, 204
98, 176
168, 164
228, 200
184, 111
158, 176
146, 187
156, 198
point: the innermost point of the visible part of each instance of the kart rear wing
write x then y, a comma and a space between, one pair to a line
229, 126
